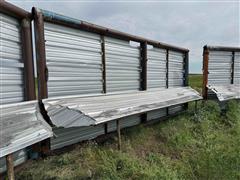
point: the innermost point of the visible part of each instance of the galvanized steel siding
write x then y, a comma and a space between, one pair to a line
176, 75
68, 136
176, 69
11, 70
236, 79
156, 76
156, 68
219, 68
19, 158
124, 123
122, 65
73, 60
122, 73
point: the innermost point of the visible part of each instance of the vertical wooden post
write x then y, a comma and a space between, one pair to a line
143, 83
205, 72
42, 69
232, 67
119, 134
195, 106
10, 166
167, 74
186, 74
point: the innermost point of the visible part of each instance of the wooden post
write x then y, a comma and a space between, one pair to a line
10, 166
119, 134
195, 106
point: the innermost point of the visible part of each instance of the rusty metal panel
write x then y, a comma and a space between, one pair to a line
12, 66
74, 61
122, 66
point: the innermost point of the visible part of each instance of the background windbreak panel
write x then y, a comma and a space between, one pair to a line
219, 68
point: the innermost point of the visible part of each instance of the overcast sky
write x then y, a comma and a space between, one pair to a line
189, 24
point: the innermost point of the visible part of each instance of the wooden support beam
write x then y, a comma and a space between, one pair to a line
119, 134
10, 166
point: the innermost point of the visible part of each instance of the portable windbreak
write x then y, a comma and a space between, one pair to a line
221, 72
19, 120
77, 59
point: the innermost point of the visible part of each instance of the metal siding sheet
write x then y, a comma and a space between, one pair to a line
73, 60
68, 136
124, 123
156, 76
226, 92
176, 75
92, 110
11, 70
122, 65
21, 125
237, 68
122, 71
19, 157
156, 68
219, 67
176, 69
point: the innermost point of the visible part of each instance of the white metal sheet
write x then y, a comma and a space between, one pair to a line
11, 62
176, 69
236, 76
156, 76
226, 92
122, 65
92, 110
219, 67
21, 125
74, 61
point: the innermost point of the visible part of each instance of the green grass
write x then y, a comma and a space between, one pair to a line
195, 145
195, 80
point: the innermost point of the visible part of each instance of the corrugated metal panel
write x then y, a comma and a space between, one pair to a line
156, 76
125, 122
21, 125
86, 111
156, 68
11, 69
68, 136
122, 65
152, 115
19, 158
237, 68
122, 71
176, 75
226, 92
219, 68
176, 69
73, 61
